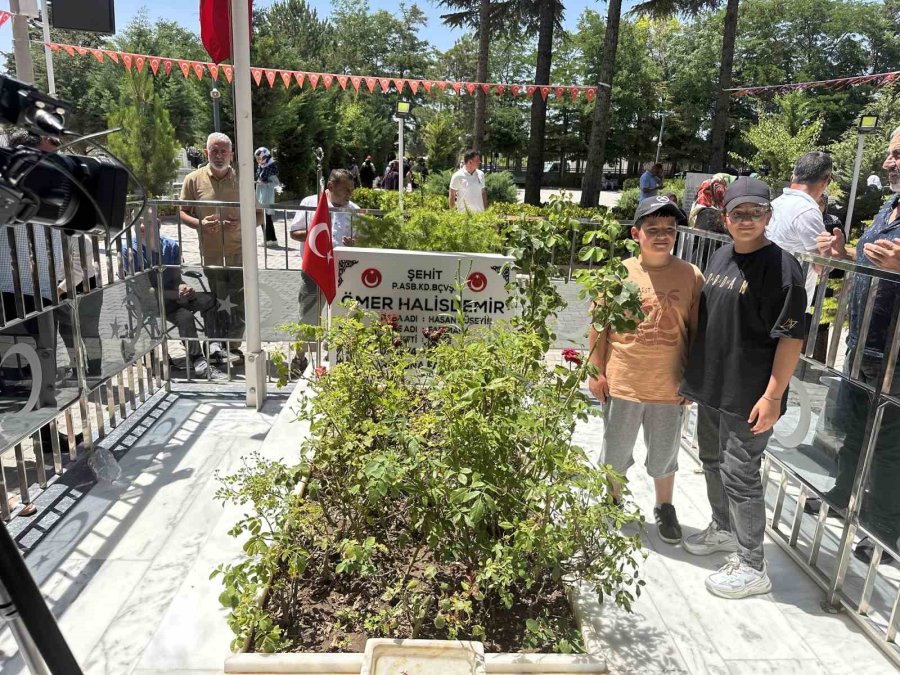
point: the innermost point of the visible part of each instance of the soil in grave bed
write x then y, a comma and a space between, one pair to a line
328, 615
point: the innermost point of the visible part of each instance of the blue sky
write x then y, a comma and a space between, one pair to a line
187, 12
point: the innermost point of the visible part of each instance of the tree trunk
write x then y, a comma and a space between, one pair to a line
592, 182
720, 121
535, 168
481, 73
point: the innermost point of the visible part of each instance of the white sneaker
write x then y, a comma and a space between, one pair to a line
710, 540
738, 580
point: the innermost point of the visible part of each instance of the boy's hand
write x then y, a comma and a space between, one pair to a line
764, 415
599, 387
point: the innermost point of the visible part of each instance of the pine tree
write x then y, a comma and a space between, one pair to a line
146, 141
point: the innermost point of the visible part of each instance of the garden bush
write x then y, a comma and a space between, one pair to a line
430, 229
631, 183
630, 197
441, 494
389, 200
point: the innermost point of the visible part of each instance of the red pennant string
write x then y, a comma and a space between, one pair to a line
198, 69
398, 83
229, 72
167, 66
314, 79
81, 50
69, 50
270, 77
112, 55
213, 71
154, 64
139, 62
285, 77
356, 79
500, 89
560, 92
413, 86
385, 83
457, 86
486, 88
127, 60
53, 46
299, 78
342, 80
327, 79
4, 17
98, 54
590, 94
515, 89
257, 75
185, 68
442, 85
530, 89
370, 83
471, 87
427, 84
573, 93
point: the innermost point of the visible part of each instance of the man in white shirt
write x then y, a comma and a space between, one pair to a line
339, 190
467, 188
797, 219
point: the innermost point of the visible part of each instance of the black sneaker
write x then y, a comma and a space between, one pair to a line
865, 549
667, 524
813, 505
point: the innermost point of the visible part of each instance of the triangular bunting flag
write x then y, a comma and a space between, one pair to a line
560, 92
413, 86
139, 62
342, 80
111, 54
185, 68
270, 77
53, 46
167, 66
590, 93
457, 86
470, 87
515, 89
98, 54
299, 78
442, 85
385, 83
399, 84
530, 89
126, 59
285, 77
4, 17
327, 79
573, 93
500, 88
314, 79
356, 79
213, 71
486, 88
69, 50
544, 92
427, 84
154, 64
81, 50
257, 75
229, 72
198, 69
370, 83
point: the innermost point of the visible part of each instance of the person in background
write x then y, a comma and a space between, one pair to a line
422, 170
194, 157
266, 181
367, 173
748, 343
353, 168
392, 177
829, 220
878, 247
651, 181
467, 186
707, 212
796, 217
639, 372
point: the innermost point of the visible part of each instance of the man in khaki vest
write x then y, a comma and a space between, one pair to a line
219, 230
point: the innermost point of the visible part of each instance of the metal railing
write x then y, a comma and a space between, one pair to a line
832, 465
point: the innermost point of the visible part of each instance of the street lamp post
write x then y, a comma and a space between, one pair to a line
215, 95
400, 114
867, 124
662, 126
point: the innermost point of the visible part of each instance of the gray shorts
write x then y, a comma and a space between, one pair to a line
662, 434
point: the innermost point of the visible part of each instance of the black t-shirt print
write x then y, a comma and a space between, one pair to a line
749, 302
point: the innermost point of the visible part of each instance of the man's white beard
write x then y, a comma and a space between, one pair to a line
219, 167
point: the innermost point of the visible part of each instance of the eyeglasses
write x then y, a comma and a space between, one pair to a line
750, 214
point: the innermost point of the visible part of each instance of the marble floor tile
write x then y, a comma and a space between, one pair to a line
776, 667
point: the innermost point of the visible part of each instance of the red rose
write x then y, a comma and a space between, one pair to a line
572, 355
320, 371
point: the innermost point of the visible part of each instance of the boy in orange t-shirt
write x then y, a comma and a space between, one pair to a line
640, 372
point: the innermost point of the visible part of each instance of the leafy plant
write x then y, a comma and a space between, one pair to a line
499, 185
427, 229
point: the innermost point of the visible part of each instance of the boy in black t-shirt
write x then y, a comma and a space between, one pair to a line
748, 343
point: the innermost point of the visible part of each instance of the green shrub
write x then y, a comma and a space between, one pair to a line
630, 183
629, 198
429, 229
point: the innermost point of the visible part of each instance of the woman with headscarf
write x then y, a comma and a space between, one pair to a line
266, 181
707, 211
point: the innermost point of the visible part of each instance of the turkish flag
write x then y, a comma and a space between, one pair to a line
318, 256
215, 27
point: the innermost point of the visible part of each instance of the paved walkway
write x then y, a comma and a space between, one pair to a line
127, 568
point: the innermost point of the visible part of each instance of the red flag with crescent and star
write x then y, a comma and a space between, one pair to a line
318, 256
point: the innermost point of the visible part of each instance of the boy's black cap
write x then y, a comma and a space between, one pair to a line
746, 190
658, 205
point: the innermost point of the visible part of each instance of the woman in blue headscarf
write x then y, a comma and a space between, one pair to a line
266, 181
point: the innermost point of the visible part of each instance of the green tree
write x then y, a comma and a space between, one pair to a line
441, 137
778, 139
147, 141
